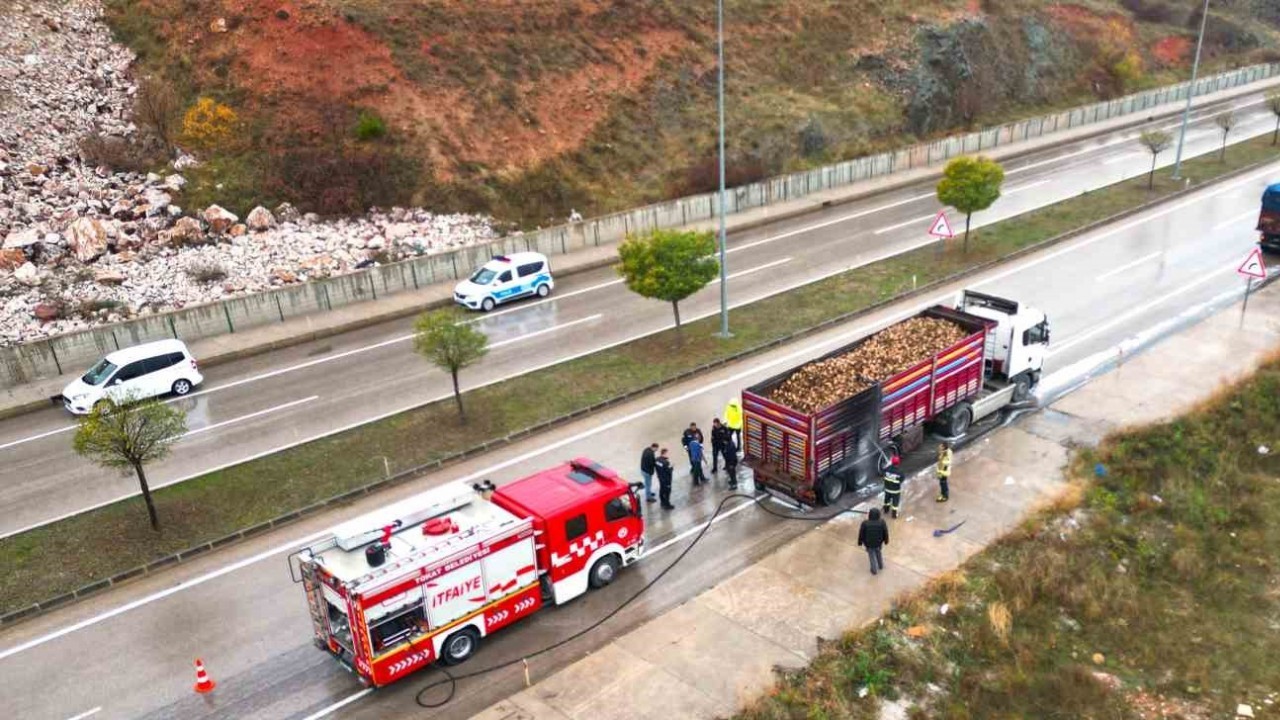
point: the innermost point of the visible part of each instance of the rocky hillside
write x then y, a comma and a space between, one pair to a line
528, 109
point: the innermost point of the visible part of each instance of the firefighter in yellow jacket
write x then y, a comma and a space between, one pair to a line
944, 471
733, 419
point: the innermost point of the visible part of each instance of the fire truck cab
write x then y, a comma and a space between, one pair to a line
428, 577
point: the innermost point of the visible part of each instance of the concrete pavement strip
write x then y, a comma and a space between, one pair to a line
222, 349
718, 651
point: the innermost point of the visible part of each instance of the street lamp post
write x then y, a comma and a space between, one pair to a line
1186, 111
724, 280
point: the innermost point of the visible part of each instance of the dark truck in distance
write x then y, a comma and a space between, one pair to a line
815, 457
1269, 220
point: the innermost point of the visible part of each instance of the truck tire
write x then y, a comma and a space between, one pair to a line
830, 489
959, 420
603, 572
460, 646
1022, 387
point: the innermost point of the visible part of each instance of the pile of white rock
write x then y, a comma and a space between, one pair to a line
81, 245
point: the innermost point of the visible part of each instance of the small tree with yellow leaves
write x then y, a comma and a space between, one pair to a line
209, 124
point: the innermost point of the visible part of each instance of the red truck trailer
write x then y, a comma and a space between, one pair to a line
427, 578
814, 457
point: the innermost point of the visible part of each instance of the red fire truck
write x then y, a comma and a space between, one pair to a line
426, 578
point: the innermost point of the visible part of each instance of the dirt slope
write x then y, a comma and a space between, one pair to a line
526, 108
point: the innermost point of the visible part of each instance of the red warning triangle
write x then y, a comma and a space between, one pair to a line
941, 228
1253, 267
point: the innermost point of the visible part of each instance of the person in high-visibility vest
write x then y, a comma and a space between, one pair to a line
944, 471
892, 487
733, 418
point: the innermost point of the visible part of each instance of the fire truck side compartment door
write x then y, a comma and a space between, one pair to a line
510, 569
454, 595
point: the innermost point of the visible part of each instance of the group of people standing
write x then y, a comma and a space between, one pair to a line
873, 534
726, 443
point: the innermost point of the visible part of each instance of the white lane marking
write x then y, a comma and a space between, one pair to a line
696, 529
1095, 330
748, 271
251, 416
899, 226
1250, 215
1129, 265
828, 223
1127, 157
544, 331
37, 437
87, 713
810, 349
338, 705
1028, 186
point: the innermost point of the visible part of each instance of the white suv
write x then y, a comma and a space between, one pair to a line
505, 278
142, 371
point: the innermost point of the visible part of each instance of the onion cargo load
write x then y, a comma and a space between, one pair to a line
814, 431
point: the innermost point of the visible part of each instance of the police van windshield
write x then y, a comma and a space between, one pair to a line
99, 372
483, 276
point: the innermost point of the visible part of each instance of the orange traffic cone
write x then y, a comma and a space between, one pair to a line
204, 683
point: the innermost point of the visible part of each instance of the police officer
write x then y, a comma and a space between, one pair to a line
893, 487
944, 471
665, 472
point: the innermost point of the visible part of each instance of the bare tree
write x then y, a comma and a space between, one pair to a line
1273, 104
1225, 121
1156, 142
156, 108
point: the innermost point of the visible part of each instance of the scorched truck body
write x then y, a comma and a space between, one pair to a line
814, 457
427, 578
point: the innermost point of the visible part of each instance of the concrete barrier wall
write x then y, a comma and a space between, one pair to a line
72, 352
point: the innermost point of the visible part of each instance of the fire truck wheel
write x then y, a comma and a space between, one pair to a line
460, 646
604, 571
830, 488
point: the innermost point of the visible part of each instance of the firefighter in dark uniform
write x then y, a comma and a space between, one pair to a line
892, 487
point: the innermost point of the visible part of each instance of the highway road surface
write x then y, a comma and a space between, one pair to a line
128, 653
273, 401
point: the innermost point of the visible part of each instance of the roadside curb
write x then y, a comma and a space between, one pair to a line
41, 607
805, 206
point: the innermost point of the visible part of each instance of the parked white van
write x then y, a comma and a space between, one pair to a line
505, 278
138, 372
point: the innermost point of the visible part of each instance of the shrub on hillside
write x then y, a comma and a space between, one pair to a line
343, 181
119, 154
369, 126
209, 124
1156, 11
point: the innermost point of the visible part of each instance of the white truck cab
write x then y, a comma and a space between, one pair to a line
505, 278
1018, 342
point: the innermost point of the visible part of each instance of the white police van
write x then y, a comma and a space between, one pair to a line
505, 278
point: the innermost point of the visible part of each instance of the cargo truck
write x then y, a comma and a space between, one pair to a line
814, 457
425, 579
1269, 220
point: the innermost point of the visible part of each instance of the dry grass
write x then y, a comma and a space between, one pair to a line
1151, 592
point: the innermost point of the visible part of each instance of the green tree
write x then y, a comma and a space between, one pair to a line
450, 344
1225, 121
128, 435
970, 184
1156, 142
668, 265
1273, 104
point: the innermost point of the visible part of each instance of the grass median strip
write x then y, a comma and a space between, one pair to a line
77, 551
1151, 591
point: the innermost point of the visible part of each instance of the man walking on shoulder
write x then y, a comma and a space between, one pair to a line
665, 472
872, 535
649, 463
